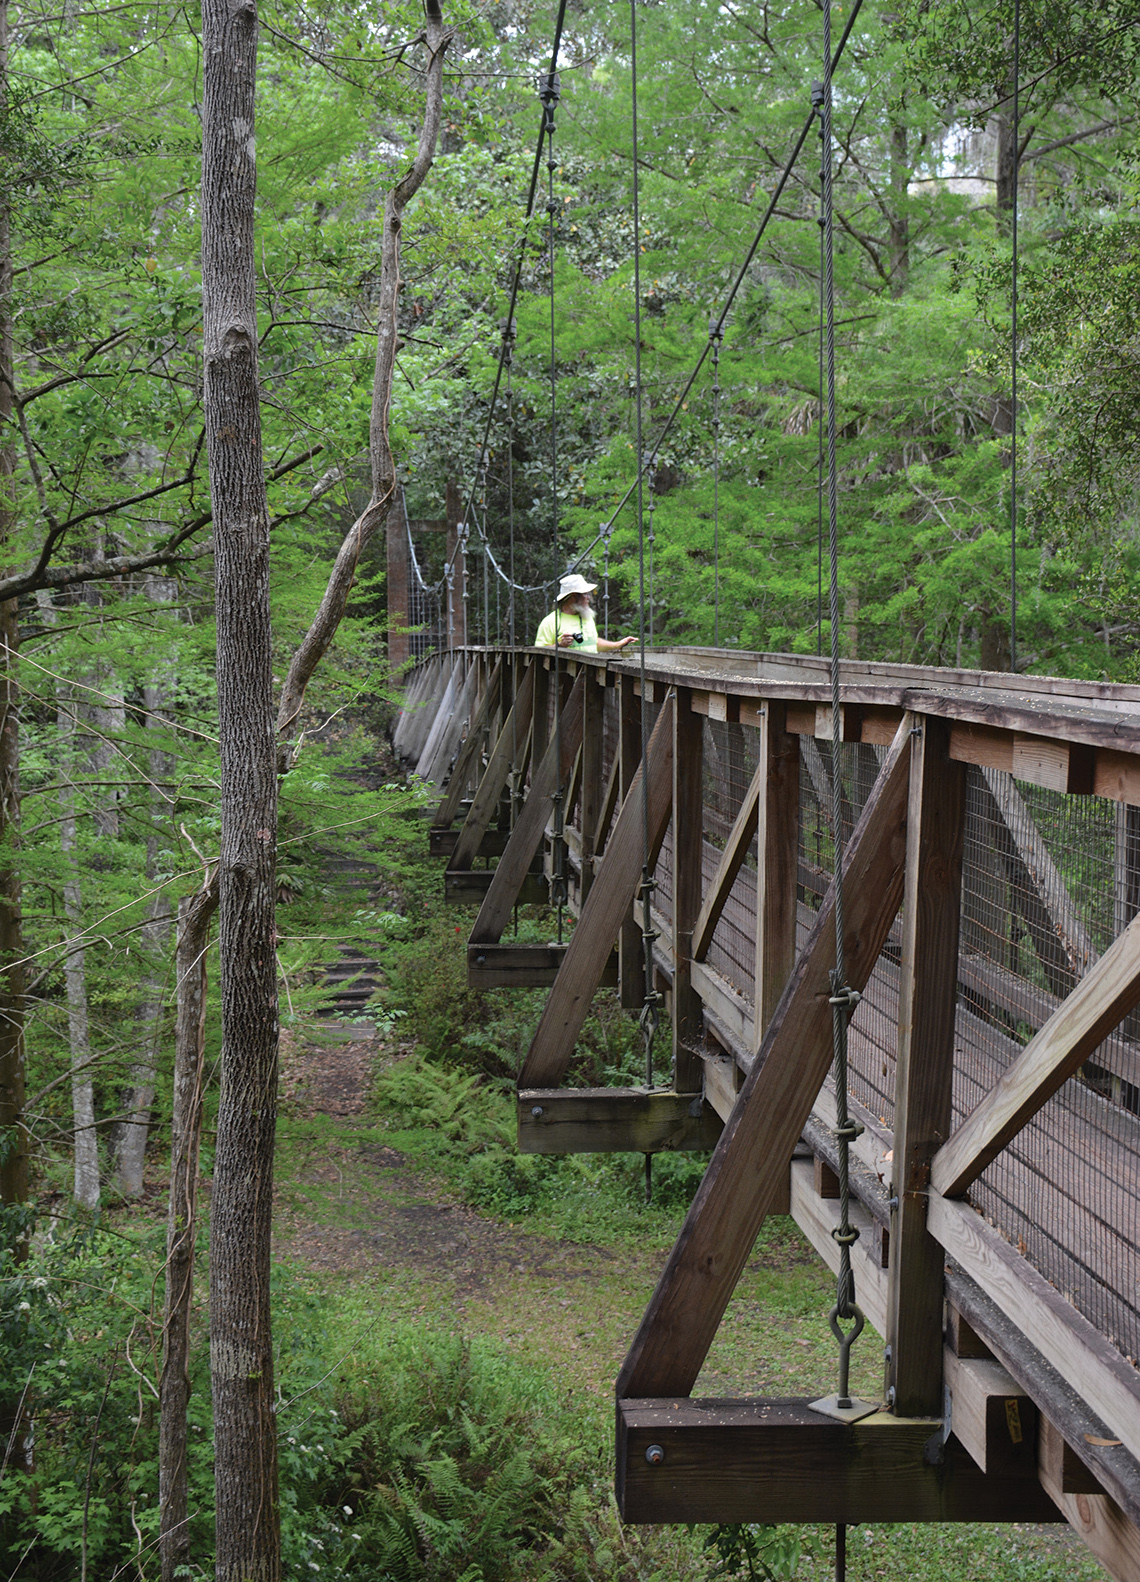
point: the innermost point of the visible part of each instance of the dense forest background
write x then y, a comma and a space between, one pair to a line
109, 772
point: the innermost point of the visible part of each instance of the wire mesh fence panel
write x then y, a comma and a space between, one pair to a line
1048, 881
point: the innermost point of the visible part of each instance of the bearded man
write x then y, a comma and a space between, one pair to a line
571, 622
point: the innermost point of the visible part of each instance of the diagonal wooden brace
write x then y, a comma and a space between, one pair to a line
606, 905
514, 864
749, 1169
449, 807
486, 799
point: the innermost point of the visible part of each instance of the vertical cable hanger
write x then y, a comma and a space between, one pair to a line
650, 1013
716, 335
843, 998
1013, 340
550, 93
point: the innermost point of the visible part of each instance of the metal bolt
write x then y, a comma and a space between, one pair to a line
891, 1395
536, 1113
480, 961
654, 1455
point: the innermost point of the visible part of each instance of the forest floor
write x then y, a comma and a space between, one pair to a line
352, 1208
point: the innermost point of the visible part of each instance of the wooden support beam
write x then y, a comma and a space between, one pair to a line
990, 1415
721, 1083
1087, 1362
439, 760
486, 799
731, 862
527, 833
515, 966
688, 857
445, 707
751, 1159
924, 1073
630, 954
592, 790
442, 842
613, 1121
610, 800
1059, 1466
473, 885
777, 850
779, 1461
607, 903
1103, 996
469, 753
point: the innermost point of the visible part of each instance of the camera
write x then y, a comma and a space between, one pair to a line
578, 638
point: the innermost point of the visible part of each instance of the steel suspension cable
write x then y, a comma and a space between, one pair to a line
716, 335
1013, 341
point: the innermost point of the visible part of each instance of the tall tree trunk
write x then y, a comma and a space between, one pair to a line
86, 1147
322, 630
899, 219
13, 1133
194, 914
131, 1135
247, 1516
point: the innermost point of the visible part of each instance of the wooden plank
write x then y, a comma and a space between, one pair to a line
1117, 776
779, 1461
440, 760
1084, 1432
688, 856
1102, 1526
613, 1120
442, 842
990, 1415
610, 800
491, 786
607, 903
1094, 1008
924, 1070
527, 833
1083, 1358
752, 1156
730, 864
878, 725
470, 750
471, 888
818, 1218
800, 718
721, 1083
515, 966
442, 718
777, 851
726, 1003
1059, 1466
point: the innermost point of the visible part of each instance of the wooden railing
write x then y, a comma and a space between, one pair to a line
991, 883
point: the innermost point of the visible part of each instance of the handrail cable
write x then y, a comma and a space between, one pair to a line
716, 335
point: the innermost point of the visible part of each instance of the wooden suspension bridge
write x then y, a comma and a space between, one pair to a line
992, 928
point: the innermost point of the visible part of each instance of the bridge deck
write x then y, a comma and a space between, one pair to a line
1030, 791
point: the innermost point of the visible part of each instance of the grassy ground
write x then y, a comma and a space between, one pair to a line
371, 1210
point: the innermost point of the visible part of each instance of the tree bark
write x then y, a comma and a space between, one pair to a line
14, 1147
322, 630
85, 1142
131, 1139
247, 1515
194, 914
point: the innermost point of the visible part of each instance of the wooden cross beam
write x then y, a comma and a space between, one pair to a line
749, 1168
780, 1461
613, 1120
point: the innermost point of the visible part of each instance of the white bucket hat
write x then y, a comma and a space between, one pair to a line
573, 583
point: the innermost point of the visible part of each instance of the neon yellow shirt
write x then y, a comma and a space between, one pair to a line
559, 623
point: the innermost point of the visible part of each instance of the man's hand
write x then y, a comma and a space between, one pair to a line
565, 640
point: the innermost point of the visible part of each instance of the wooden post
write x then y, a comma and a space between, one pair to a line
749, 1170
543, 681
777, 854
593, 707
631, 960
688, 849
925, 1067
399, 645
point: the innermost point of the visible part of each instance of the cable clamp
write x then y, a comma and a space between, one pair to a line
845, 996
848, 1132
846, 1236
817, 97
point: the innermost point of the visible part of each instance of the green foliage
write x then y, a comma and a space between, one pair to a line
756, 1550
